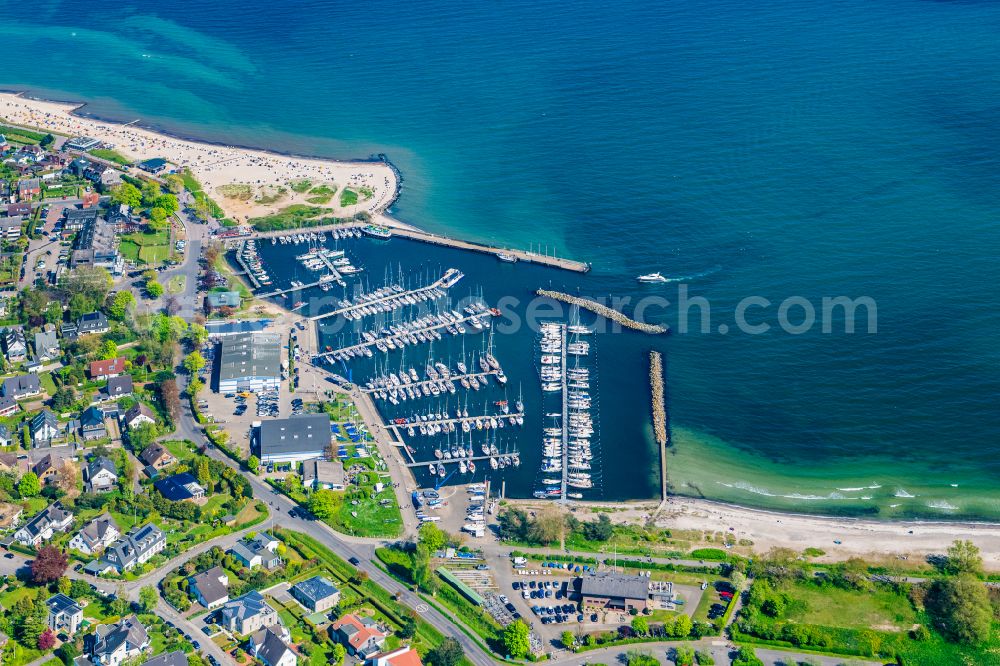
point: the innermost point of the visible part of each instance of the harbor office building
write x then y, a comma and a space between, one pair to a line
614, 592
249, 362
295, 439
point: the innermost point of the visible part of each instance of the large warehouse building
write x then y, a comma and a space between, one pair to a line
304, 437
249, 362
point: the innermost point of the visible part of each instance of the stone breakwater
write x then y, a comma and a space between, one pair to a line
604, 311
656, 387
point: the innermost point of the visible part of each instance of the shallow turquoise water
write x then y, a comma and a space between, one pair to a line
804, 149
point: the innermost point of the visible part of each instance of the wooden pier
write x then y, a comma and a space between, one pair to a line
398, 336
301, 287
395, 295
449, 461
564, 359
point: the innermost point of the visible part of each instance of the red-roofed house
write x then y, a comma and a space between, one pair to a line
404, 656
107, 369
360, 635
90, 199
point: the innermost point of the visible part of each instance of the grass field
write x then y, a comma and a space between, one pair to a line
835, 607
239, 191
300, 186
110, 155
175, 285
151, 248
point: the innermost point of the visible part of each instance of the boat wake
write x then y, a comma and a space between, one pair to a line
941, 504
694, 276
902, 493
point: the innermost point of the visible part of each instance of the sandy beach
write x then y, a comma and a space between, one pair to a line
874, 540
216, 165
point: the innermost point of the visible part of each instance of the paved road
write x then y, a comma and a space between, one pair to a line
196, 234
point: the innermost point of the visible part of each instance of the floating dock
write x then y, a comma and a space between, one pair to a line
428, 382
398, 336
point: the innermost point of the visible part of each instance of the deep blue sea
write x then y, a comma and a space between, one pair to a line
791, 149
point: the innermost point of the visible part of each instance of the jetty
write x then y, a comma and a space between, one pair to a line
397, 337
395, 296
427, 463
659, 415
563, 360
427, 382
301, 287
604, 311
484, 420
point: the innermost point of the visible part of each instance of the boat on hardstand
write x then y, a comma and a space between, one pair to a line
651, 277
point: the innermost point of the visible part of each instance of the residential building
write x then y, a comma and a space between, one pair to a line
101, 474
211, 588
96, 535
65, 615
175, 658
106, 369
96, 244
5, 440
298, 438
20, 209
22, 386
92, 424
8, 405
361, 635
139, 414
47, 468
47, 345
259, 551
249, 362
269, 648
75, 219
111, 644
247, 614
44, 428
317, 474
180, 487
403, 656
44, 524
15, 347
10, 228
28, 188
92, 324
614, 591
118, 387
317, 594
157, 456
221, 299
135, 548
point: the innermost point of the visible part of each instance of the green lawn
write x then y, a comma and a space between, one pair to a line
110, 155
300, 186
178, 448
149, 247
836, 607
48, 385
175, 285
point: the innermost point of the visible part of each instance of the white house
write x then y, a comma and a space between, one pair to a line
270, 648
44, 524
96, 535
111, 644
211, 587
65, 615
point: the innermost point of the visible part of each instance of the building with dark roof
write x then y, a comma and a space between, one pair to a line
317, 594
22, 386
175, 658
258, 551
135, 548
157, 456
270, 648
247, 614
65, 615
298, 438
92, 323
111, 644
180, 487
154, 165
211, 587
616, 591
96, 535
44, 524
44, 428
118, 387
101, 474
92, 424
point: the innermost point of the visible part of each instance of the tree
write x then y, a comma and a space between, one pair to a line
120, 305
150, 192
157, 218
599, 530
46, 141
637, 657
640, 625
515, 639
194, 362
154, 289
68, 651
170, 395
120, 605
79, 588
684, 656
682, 626
126, 193
568, 640
148, 596
195, 386
432, 536
109, 350
408, 629
197, 335
167, 203
323, 504
64, 585
548, 527
253, 462
745, 656
339, 652
49, 564
205, 474
174, 183
964, 557
46, 640
961, 608
737, 580
29, 486
142, 436
447, 653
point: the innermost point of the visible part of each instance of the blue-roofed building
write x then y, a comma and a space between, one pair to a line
180, 487
317, 594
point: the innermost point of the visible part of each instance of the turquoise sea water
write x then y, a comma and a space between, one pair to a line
803, 149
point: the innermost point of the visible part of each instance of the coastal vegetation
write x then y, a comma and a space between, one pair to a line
110, 155
603, 310
204, 206
300, 186
237, 191
299, 216
24, 136
270, 194
348, 197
